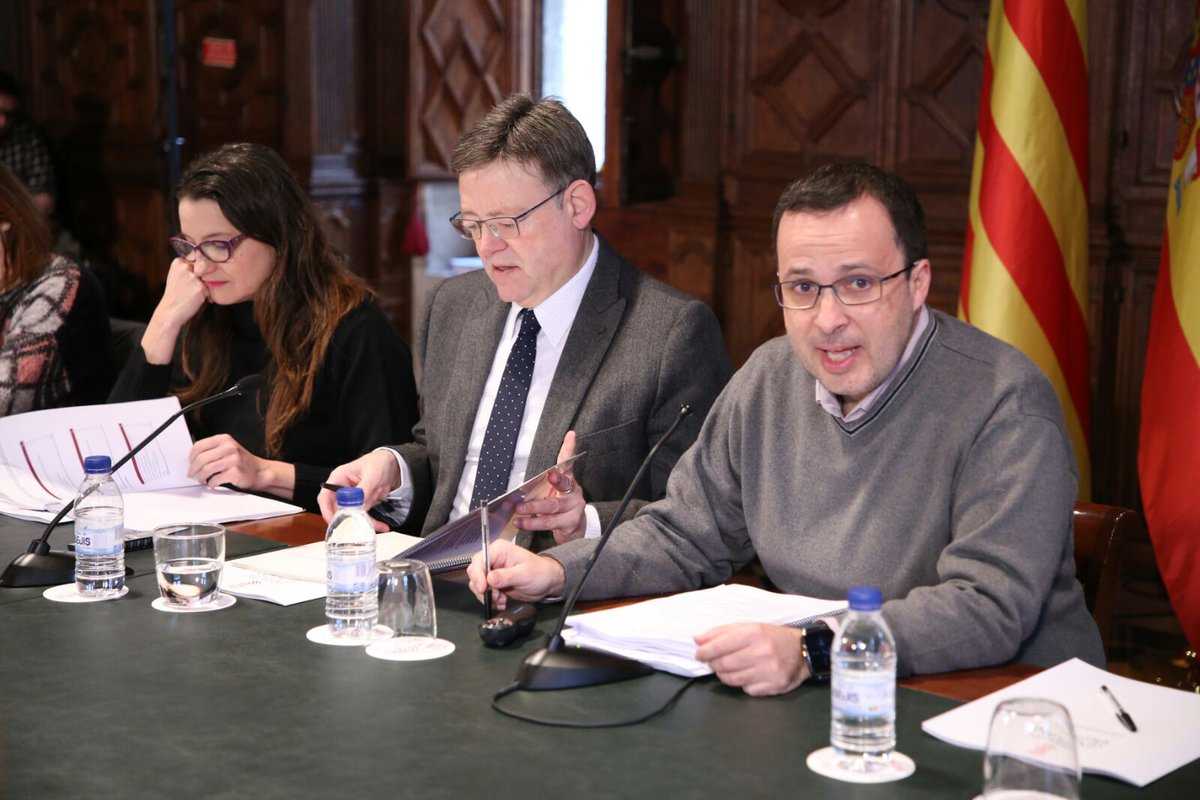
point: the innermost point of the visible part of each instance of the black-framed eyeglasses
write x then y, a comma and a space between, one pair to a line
853, 290
500, 227
217, 251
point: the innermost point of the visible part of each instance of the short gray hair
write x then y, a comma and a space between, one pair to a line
541, 133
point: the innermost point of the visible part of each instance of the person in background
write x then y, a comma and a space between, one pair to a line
257, 289
54, 340
22, 148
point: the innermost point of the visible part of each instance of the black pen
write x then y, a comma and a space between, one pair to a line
1122, 714
333, 487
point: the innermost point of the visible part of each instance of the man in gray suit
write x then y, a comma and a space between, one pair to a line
881, 443
557, 346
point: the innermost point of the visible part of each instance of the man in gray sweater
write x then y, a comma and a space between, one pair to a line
878, 443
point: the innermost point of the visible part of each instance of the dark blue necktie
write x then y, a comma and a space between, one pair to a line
500, 439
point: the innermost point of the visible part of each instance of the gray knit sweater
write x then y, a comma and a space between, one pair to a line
953, 495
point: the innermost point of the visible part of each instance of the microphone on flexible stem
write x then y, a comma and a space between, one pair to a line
41, 566
557, 666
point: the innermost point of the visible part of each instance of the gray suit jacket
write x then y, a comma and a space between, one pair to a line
636, 351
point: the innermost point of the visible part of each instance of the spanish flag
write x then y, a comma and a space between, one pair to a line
1024, 274
1169, 454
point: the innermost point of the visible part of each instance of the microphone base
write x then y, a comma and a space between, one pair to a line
39, 569
573, 667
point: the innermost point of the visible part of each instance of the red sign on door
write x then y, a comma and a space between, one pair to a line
216, 52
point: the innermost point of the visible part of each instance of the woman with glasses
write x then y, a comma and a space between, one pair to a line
53, 323
257, 289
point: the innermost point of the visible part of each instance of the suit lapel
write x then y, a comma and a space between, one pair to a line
482, 326
595, 325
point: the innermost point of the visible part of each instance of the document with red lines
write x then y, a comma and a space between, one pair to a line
41, 465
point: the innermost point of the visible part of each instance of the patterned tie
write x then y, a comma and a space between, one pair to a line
500, 439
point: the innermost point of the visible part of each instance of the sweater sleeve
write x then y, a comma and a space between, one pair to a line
1010, 526
695, 536
370, 368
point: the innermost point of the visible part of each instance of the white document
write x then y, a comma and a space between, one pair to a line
42, 452
1168, 721
295, 574
145, 511
41, 466
261, 586
661, 632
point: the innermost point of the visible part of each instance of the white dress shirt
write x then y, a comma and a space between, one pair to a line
556, 315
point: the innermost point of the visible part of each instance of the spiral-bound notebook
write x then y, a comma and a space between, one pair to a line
454, 544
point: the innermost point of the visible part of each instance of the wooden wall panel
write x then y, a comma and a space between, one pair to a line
940, 52
242, 103
814, 78
464, 57
95, 90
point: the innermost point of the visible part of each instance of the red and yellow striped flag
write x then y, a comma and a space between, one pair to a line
1169, 454
1024, 274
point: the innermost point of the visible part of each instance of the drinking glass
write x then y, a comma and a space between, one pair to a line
188, 560
406, 607
1031, 752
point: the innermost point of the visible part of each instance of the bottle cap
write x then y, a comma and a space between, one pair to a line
94, 465
350, 496
865, 598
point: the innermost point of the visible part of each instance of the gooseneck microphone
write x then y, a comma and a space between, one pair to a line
556, 666
41, 566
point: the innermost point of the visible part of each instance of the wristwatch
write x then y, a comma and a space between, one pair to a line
815, 644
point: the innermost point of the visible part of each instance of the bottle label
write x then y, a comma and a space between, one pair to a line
351, 575
863, 694
97, 540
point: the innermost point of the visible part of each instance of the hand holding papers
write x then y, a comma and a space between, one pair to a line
452, 545
1168, 721
661, 632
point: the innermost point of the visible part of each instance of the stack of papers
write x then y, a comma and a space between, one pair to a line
1167, 720
661, 632
41, 467
295, 574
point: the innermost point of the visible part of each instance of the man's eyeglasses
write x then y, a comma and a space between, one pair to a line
852, 290
500, 227
215, 250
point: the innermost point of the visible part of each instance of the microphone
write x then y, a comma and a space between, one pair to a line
508, 626
556, 666
41, 566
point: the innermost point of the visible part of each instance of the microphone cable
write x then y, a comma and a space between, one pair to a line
576, 724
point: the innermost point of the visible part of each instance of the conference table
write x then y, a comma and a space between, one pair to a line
115, 699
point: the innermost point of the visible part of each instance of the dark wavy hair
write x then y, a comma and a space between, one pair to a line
299, 305
27, 243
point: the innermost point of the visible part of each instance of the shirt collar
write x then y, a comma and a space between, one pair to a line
556, 313
830, 402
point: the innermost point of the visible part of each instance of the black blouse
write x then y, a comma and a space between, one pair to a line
364, 396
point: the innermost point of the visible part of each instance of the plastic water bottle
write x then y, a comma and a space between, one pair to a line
352, 598
863, 661
99, 531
